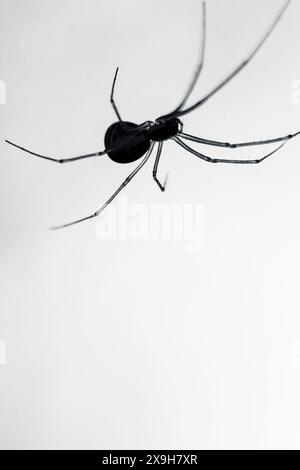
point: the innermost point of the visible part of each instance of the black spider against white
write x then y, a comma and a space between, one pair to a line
126, 142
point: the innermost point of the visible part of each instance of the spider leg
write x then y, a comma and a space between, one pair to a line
112, 95
224, 160
239, 68
162, 187
58, 160
200, 64
81, 157
122, 186
200, 140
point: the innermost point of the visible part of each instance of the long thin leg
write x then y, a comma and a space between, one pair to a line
199, 65
112, 95
58, 160
216, 143
224, 160
122, 186
81, 157
162, 187
238, 68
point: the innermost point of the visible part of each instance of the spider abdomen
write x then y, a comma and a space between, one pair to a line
131, 144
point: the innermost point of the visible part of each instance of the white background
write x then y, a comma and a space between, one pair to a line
144, 344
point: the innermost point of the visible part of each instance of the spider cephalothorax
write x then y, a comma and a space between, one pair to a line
164, 129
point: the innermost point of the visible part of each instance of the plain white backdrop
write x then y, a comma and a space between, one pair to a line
144, 344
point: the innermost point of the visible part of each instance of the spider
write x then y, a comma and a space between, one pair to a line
126, 142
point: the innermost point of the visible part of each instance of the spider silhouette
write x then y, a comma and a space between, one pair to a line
126, 142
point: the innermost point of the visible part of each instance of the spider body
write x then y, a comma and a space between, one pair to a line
126, 142
164, 129
131, 141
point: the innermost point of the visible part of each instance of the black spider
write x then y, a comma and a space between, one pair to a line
126, 142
